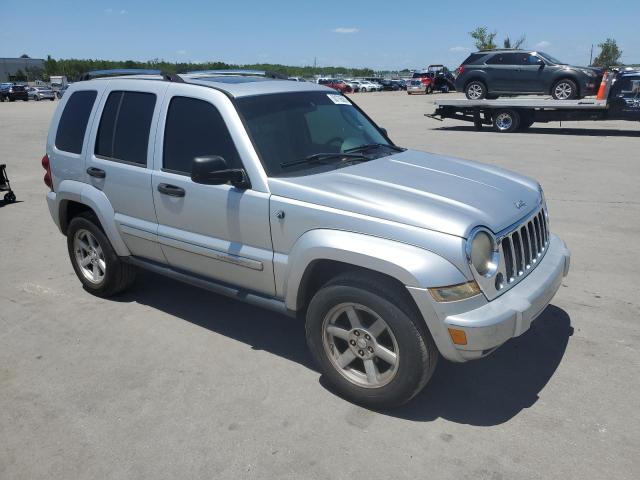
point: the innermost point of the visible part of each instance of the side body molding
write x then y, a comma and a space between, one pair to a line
93, 198
412, 266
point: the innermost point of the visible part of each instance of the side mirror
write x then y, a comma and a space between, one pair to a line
384, 132
213, 170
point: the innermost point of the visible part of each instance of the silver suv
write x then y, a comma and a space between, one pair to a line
287, 195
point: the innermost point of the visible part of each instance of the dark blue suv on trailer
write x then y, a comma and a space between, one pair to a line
491, 73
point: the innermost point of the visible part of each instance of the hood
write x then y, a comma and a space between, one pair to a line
420, 189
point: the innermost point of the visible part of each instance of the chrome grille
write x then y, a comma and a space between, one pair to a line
523, 247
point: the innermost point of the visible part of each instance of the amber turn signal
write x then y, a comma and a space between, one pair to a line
458, 336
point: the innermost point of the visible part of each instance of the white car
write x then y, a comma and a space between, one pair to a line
367, 86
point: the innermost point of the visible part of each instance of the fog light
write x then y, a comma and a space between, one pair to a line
453, 293
458, 336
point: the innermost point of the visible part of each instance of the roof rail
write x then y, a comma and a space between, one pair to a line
117, 72
243, 73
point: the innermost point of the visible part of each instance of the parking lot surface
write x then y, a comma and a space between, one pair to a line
168, 381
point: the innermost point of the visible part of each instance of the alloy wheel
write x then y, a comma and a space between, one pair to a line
360, 345
475, 91
563, 91
89, 256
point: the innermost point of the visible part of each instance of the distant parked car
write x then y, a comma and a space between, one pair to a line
491, 73
13, 92
402, 85
427, 80
41, 93
60, 93
389, 85
296, 79
416, 86
338, 85
354, 84
367, 86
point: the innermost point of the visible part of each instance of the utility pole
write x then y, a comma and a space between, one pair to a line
591, 56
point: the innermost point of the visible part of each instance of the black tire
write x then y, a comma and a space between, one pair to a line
418, 354
52, 99
475, 90
9, 197
506, 120
118, 275
429, 90
564, 89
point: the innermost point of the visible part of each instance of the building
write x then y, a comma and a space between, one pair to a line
10, 67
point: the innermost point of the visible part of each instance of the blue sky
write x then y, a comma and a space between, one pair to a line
378, 34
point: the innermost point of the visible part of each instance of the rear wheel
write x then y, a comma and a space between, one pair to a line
475, 90
564, 89
9, 197
369, 341
506, 121
94, 260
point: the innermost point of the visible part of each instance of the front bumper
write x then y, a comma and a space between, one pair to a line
488, 325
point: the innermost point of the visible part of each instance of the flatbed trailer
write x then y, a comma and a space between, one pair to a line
622, 102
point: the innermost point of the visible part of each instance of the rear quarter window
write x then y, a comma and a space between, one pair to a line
473, 58
73, 121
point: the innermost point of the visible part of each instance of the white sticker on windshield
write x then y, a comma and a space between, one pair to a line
338, 99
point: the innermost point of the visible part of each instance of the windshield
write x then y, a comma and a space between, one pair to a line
551, 59
288, 127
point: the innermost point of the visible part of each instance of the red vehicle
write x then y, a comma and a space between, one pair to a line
426, 78
338, 85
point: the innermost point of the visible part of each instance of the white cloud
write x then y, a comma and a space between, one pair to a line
459, 49
108, 11
182, 52
122, 12
541, 45
346, 30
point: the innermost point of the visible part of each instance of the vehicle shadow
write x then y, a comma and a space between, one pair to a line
584, 132
254, 326
484, 392
494, 389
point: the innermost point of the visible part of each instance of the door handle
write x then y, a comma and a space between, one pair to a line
171, 190
96, 172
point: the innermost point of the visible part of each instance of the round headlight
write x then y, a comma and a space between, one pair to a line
483, 254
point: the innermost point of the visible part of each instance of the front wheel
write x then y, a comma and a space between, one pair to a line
506, 121
94, 260
369, 341
564, 90
9, 197
475, 90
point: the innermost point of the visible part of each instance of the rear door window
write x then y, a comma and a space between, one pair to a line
73, 121
195, 128
123, 134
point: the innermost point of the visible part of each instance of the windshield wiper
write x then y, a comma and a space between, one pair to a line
370, 146
319, 157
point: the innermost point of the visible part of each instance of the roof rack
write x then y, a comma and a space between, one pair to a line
502, 50
118, 72
243, 73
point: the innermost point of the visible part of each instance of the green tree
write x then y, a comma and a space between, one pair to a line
610, 54
484, 40
517, 44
